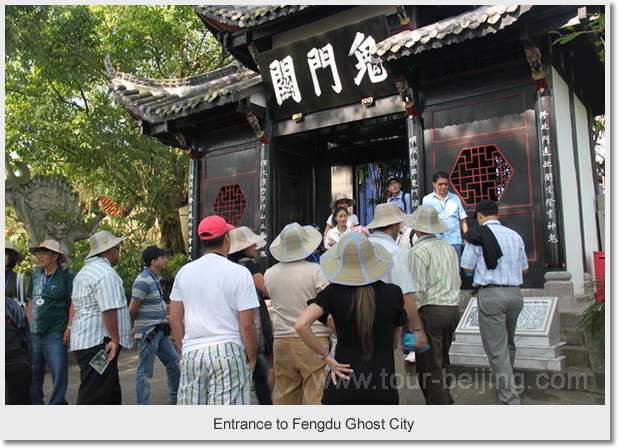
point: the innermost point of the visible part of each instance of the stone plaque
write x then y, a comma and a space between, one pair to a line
534, 319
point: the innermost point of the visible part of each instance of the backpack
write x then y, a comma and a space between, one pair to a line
14, 354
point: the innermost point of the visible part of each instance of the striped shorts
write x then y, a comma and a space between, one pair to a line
215, 375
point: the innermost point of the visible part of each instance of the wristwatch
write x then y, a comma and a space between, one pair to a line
322, 357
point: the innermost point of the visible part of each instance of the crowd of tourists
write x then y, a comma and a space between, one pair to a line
332, 322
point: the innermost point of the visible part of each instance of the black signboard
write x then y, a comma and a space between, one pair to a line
327, 70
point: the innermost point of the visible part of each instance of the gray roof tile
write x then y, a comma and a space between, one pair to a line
477, 23
246, 16
158, 101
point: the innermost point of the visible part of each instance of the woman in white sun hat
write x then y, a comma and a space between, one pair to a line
244, 245
368, 315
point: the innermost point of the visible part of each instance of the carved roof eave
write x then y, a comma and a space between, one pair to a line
163, 100
469, 25
245, 16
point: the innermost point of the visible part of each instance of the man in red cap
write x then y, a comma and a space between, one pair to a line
211, 314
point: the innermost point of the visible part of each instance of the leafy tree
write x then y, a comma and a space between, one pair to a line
62, 118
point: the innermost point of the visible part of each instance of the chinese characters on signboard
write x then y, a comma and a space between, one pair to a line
327, 70
190, 226
263, 180
414, 181
548, 182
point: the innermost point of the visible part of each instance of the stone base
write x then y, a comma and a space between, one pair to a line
554, 364
553, 352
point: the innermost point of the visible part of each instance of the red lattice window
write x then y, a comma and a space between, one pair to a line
481, 173
230, 204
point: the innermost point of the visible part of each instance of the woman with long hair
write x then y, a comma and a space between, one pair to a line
368, 315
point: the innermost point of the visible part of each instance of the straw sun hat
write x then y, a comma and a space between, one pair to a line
425, 219
387, 214
352, 202
10, 245
54, 246
295, 242
356, 261
102, 241
243, 237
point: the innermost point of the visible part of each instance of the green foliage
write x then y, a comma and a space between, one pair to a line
62, 118
176, 262
593, 318
595, 26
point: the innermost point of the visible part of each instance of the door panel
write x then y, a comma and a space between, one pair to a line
487, 144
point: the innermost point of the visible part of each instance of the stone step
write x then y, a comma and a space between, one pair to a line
572, 336
576, 356
570, 318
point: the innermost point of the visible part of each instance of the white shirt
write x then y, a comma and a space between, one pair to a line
335, 235
213, 290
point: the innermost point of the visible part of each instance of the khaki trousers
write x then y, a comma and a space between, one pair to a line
298, 371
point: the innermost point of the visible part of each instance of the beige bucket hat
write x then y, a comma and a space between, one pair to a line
356, 261
102, 241
387, 214
295, 242
10, 245
53, 246
425, 219
342, 197
243, 237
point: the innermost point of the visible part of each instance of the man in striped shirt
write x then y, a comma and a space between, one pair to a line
101, 321
434, 266
152, 330
497, 257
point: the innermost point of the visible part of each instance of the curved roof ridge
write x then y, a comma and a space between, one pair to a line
246, 16
476, 23
161, 100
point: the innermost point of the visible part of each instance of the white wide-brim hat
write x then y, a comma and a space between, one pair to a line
102, 241
356, 261
333, 204
295, 242
54, 246
425, 219
243, 237
386, 215
10, 245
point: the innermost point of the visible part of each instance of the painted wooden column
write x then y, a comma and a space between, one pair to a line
413, 126
553, 232
193, 212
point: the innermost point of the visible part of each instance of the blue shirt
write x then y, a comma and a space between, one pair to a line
451, 212
402, 200
510, 265
152, 310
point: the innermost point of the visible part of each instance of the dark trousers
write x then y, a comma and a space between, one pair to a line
96, 388
440, 323
17, 378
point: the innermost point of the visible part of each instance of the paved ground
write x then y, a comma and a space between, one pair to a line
468, 390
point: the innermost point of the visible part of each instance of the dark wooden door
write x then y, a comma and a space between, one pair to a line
488, 146
293, 186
